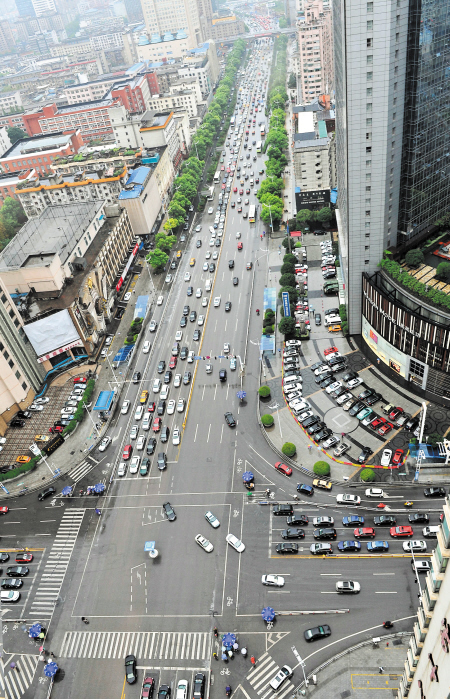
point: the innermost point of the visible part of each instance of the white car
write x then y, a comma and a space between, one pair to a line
171, 407
341, 449
176, 436
348, 499
323, 521
386, 457
217, 300
208, 255
354, 382
306, 414
180, 405
212, 519
374, 492
235, 543
153, 325
333, 387
164, 391
125, 407
159, 300
106, 441
177, 381
226, 347
168, 278
134, 464
122, 469
201, 318
210, 211
146, 347
68, 411
198, 229
191, 356
178, 336
127, 296
156, 386
41, 401
139, 412
272, 580
415, 545
140, 444
208, 368
211, 242
198, 294
215, 255
182, 689
36, 407
348, 586
134, 431
187, 277
345, 397
204, 543
205, 267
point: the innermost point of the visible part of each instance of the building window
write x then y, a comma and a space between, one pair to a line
367, 235
369, 43
370, 7
368, 188
367, 212
366, 262
368, 149
17, 374
368, 163
11, 363
368, 92
369, 121
367, 224
369, 75
24, 386
368, 106
369, 59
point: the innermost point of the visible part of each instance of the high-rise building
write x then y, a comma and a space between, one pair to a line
42, 6
172, 16
25, 8
6, 37
315, 42
134, 10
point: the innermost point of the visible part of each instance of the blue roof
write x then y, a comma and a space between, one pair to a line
141, 305
136, 180
137, 66
104, 400
138, 176
123, 353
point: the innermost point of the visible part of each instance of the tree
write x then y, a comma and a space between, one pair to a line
277, 138
166, 243
321, 468
158, 259
176, 211
287, 280
264, 392
289, 244
286, 326
289, 449
289, 258
292, 82
414, 258
270, 186
434, 438
443, 271
13, 209
267, 420
170, 224
303, 216
367, 475
324, 215
293, 294
15, 134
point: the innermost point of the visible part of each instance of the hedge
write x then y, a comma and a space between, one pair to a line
264, 392
289, 449
20, 470
367, 475
80, 412
267, 420
321, 468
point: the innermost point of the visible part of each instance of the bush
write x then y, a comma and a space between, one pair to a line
267, 420
269, 314
286, 326
414, 258
288, 449
321, 468
443, 271
434, 438
264, 392
287, 268
367, 475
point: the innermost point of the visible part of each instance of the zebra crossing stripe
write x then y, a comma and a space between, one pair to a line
147, 645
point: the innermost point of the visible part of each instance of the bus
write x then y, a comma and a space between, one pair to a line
252, 213
210, 196
263, 130
259, 147
217, 177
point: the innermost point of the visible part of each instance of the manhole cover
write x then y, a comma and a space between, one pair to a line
347, 693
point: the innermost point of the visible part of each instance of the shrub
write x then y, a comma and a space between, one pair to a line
288, 449
287, 268
414, 258
264, 392
321, 468
269, 314
367, 475
267, 420
286, 326
443, 271
434, 438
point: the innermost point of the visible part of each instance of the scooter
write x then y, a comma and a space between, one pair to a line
388, 624
228, 691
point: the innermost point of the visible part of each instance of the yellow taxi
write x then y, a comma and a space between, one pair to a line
22, 459
144, 397
242, 183
192, 262
178, 254
320, 483
335, 328
41, 438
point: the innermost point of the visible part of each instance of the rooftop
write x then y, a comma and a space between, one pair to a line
55, 231
311, 143
135, 183
38, 143
82, 106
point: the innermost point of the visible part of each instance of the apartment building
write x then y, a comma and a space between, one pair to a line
6, 37
141, 199
10, 101
40, 151
315, 41
164, 17
91, 118
178, 100
9, 182
106, 41
5, 141
90, 91
12, 120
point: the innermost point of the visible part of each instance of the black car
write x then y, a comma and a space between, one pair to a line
418, 517
130, 669
222, 375
366, 393
311, 421
316, 428
169, 511
217, 244
136, 377
324, 377
305, 489
199, 686
173, 264
11, 583
187, 378
323, 434
190, 290
168, 376
235, 281
327, 382
356, 408
230, 264
145, 465
297, 520
229, 419
161, 409
227, 306
412, 424
164, 691
293, 533
119, 313
184, 353
161, 366
17, 571
151, 445
385, 521
317, 632
164, 435
193, 316
325, 534
183, 322
47, 493
339, 391
4, 557
186, 310
196, 335
198, 244
212, 267
365, 453
317, 365
350, 375
286, 548
318, 319
162, 461
24, 414
434, 492
374, 398
17, 423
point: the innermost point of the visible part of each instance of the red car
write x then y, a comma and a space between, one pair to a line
241, 191
375, 424
401, 531
56, 428
398, 456
330, 350
395, 413
147, 688
240, 246
257, 180
24, 557
127, 451
152, 407
364, 533
283, 468
235, 190
222, 168
384, 429
223, 185
173, 362
156, 424
239, 209
247, 191
80, 379
4, 510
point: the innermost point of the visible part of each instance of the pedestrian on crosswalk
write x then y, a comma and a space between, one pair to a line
252, 660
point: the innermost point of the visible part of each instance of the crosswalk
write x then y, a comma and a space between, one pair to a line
15, 683
260, 676
145, 645
52, 578
82, 469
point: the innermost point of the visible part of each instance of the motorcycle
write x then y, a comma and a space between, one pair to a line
257, 311
388, 624
228, 691
408, 503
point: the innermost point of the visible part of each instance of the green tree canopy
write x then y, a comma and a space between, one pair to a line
443, 271
286, 326
414, 258
170, 224
324, 215
304, 216
158, 259
15, 134
270, 185
293, 294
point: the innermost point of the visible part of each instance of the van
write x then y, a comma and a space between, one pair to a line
283, 510
430, 532
289, 379
332, 320
208, 285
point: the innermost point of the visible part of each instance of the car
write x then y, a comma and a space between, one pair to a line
330, 442
317, 632
333, 386
395, 413
217, 300
400, 532
341, 449
164, 691
434, 492
46, 493
240, 245
322, 483
204, 543
282, 675
374, 493
374, 398
346, 546
384, 520
305, 489
17, 571
286, 470
229, 419
415, 545
293, 533
353, 520
11, 583
134, 464
171, 407
130, 669
286, 548
235, 543
176, 436
418, 518
385, 428
348, 499
122, 469
377, 546
193, 316
365, 412
364, 533
148, 687
169, 511
386, 457
398, 457
187, 378
365, 453
9, 596
187, 277
376, 422
106, 441
136, 377
344, 398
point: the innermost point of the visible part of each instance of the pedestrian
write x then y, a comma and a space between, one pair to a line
380, 670
235, 647
244, 652
52, 655
215, 656
252, 660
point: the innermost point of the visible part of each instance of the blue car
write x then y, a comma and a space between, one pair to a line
349, 546
305, 489
377, 546
353, 521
